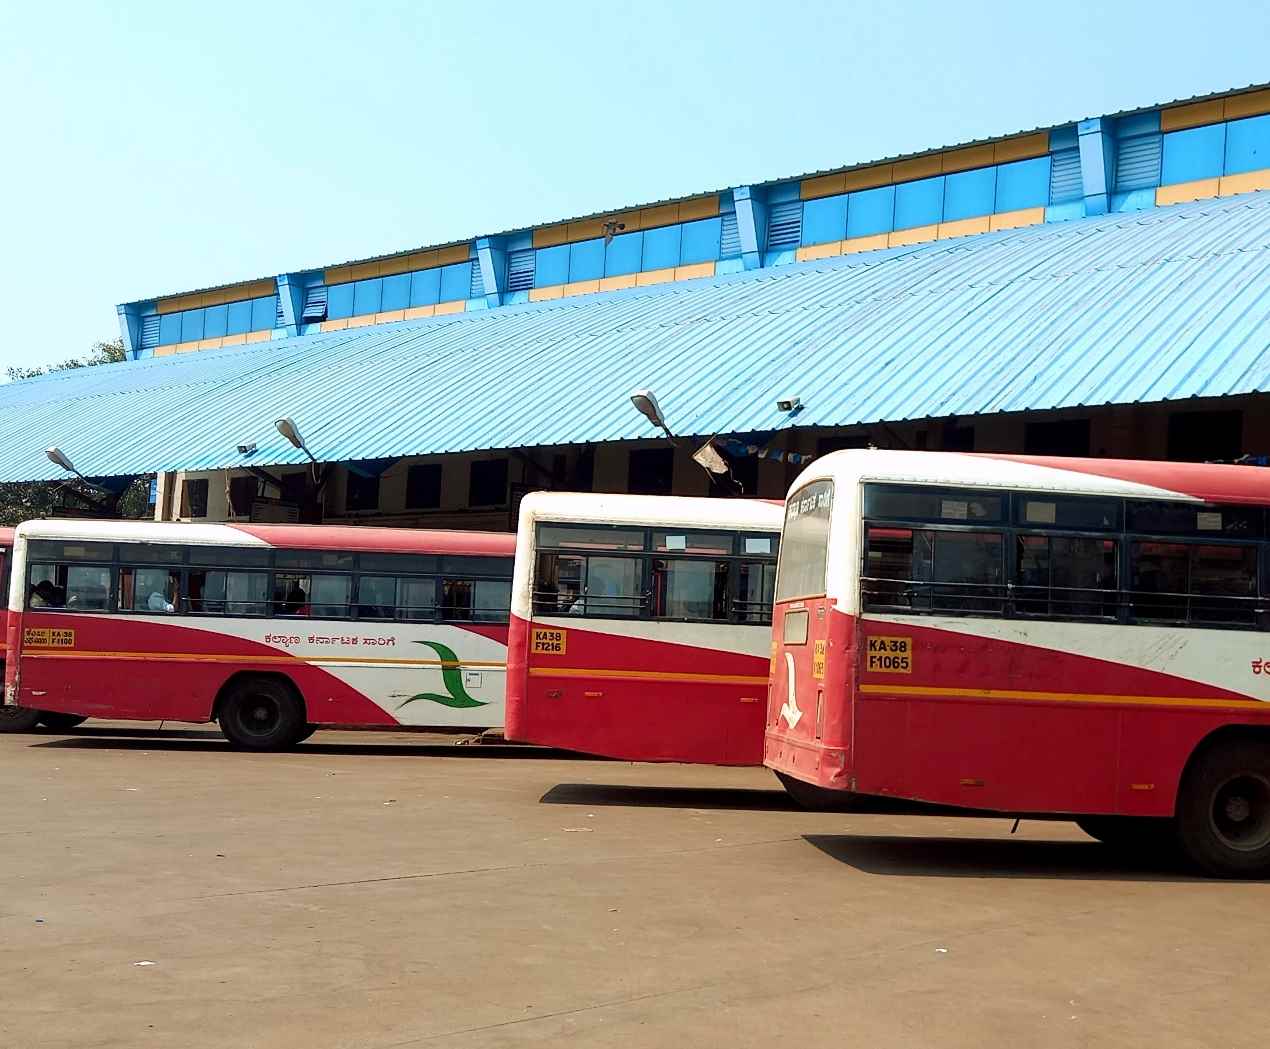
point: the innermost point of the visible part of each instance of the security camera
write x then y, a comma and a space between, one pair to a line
788, 404
247, 449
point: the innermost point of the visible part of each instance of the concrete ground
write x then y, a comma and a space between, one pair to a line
378, 891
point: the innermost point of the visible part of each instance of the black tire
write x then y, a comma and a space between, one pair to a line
61, 722
817, 799
1132, 834
261, 713
308, 731
18, 719
1223, 809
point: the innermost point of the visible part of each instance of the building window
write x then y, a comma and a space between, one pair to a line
242, 493
196, 497
959, 439
652, 471
361, 493
1197, 437
487, 483
423, 486
1063, 437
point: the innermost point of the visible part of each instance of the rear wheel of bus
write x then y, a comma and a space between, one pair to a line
1223, 809
18, 719
262, 713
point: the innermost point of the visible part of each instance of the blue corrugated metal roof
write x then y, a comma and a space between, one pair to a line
1157, 305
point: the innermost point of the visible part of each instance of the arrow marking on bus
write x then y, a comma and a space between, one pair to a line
790, 711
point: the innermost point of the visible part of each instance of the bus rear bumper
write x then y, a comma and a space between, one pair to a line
810, 762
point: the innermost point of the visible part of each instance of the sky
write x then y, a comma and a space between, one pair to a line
153, 148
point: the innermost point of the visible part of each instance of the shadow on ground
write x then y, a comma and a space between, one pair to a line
1014, 857
747, 798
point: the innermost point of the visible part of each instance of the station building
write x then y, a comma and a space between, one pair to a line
1096, 288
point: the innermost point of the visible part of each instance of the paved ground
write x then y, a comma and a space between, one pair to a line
374, 891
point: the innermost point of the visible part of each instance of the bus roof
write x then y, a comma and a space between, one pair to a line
1127, 478
762, 515
301, 537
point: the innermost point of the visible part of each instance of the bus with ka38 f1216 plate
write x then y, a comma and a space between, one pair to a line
1033, 636
271, 630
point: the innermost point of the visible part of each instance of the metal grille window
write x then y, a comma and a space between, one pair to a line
150, 332
1138, 162
314, 304
785, 225
1065, 178
730, 237
520, 270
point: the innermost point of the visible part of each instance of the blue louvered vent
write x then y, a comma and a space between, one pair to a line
476, 287
314, 304
278, 320
1138, 162
785, 225
520, 270
1065, 180
729, 237
150, 332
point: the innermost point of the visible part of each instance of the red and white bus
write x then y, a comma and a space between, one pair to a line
19, 719
271, 630
641, 624
1033, 636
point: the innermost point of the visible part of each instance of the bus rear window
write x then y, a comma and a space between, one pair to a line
805, 542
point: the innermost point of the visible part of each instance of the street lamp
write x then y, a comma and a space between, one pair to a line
287, 427
646, 403
59, 458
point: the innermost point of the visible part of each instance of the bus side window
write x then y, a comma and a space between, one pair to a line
76, 588
456, 599
417, 599
214, 591
1065, 576
690, 588
757, 586
558, 584
377, 597
149, 590
492, 601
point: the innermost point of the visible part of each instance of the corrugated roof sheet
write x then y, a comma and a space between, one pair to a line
767, 181
1157, 305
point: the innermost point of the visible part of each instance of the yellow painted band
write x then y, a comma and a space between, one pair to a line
214, 657
646, 675
932, 692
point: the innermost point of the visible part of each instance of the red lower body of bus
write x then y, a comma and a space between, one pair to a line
594, 689
945, 713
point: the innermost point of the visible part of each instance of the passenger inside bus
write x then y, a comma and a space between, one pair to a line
47, 595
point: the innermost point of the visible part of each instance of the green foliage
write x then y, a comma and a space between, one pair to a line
24, 501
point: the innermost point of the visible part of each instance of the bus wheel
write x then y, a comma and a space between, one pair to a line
61, 722
817, 799
18, 719
305, 733
1131, 833
261, 713
1223, 810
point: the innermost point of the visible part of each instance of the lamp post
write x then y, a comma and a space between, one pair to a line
646, 403
287, 427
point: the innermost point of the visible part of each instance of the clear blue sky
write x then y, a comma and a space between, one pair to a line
158, 147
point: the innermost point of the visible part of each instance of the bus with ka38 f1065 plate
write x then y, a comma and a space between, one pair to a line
1034, 636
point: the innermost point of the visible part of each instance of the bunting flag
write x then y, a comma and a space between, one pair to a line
739, 449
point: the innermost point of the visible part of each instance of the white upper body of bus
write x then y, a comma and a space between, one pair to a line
824, 503
649, 511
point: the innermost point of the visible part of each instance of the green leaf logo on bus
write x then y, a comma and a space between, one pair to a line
456, 696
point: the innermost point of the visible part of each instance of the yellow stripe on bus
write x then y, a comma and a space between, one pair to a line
211, 657
927, 691
646, 675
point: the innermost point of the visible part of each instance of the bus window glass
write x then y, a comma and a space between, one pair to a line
1188, 519
1065, 576
612, 587
217, 592
317, 559
718, 544
759, 544
152, 553
578, 537
70, 550
417, 599
456, 599
804, 544
1045, 511
936, 571
757, 586
376, 597
149, 590
931, 504
558, 584
687, 588
87, 588
888, 570
329, 596
291, 594
1223, 584
493, 600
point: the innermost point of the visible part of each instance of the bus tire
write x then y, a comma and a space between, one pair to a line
1131, 834
1223, 809
18, 719
262, 713
816, 799
61, 722
306, 733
